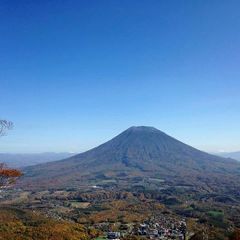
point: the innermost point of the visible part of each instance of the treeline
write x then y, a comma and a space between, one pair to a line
18, 224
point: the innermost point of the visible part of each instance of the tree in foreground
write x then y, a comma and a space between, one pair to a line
8, 176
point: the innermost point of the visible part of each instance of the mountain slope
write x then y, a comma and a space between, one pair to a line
138, 151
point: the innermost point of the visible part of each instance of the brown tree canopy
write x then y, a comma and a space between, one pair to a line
201, 235
235, 235
8, 176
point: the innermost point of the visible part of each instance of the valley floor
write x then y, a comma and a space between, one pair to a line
165, 212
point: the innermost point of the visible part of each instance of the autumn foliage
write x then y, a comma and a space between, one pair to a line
17, 224
8, 176
235, 235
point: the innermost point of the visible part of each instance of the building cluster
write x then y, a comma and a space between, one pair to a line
157, 229
163, 229
113, 235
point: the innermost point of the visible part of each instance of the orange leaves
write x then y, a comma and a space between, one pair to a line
20, 224
10, 173
8, 176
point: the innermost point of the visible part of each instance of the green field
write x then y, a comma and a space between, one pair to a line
215, 214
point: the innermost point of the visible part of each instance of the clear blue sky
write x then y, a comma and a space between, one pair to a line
75, 73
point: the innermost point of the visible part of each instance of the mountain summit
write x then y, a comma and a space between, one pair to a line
138, 151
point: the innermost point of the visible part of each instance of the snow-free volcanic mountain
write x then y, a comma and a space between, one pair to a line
136, 152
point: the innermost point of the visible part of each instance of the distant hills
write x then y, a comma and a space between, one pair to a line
136, 152
19, 160
233, 155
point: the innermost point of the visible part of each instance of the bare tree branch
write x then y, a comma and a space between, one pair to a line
8, 176
5, 126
